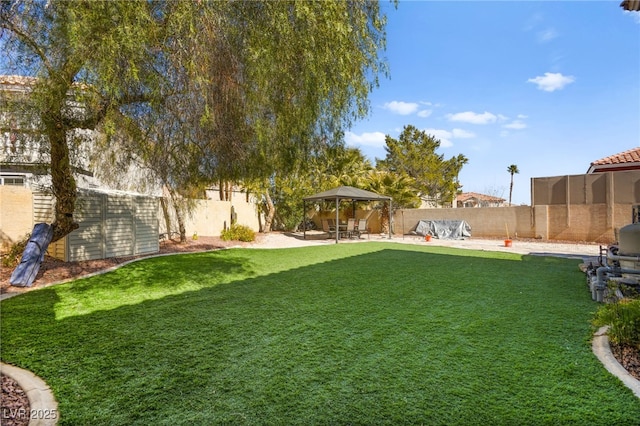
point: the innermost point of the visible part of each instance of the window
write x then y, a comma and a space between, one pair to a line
12, 180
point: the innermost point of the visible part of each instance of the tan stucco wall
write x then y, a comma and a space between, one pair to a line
486, 222
16, 214
209, 218
586, 222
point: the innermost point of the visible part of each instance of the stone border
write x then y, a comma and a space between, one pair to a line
43, 407
600, 347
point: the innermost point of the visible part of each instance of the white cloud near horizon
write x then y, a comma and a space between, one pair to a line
425, 113
443, 135
551, 82
474, 118
401, 108
515, 125
374, 139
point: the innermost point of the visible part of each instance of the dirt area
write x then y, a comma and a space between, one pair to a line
628, 357
52, 271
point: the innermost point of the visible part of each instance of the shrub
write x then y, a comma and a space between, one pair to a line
238, 233
12, 257
624, 318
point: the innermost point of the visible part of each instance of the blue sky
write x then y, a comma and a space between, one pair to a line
547, 85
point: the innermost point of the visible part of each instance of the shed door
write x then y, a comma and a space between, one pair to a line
119, 226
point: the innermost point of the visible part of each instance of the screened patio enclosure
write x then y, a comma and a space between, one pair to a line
342, 193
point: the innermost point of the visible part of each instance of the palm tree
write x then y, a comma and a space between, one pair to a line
398, 186
512, 169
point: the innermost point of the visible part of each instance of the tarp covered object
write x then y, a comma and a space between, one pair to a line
444, 229
33, 255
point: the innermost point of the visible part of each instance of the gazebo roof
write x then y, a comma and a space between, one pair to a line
346, 193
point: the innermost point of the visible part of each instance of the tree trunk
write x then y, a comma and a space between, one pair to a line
62, 181
510, 190
271, 212
177, 206
384, 219
167, 218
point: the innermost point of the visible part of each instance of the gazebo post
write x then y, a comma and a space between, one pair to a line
304, 219
390, 216
337, 220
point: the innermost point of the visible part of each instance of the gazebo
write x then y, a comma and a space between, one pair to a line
345, 193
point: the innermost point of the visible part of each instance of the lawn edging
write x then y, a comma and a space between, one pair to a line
43, 407
602, 350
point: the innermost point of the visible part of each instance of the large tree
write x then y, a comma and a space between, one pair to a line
414, 154
249, 86
94, 54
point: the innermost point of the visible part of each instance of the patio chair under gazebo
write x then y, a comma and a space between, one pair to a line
345, 193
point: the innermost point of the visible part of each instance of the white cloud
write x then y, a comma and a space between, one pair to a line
522, 116
402, 108
474, 118
463, 134
443, 135
634, 15
552, 81
516, 125
425, 113
547, 35
374, 139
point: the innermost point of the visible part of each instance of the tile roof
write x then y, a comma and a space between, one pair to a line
468, 195
630, 156
630, 5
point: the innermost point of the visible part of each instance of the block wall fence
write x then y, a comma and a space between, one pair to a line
572, 208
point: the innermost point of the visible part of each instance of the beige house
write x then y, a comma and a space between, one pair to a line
474, 199
24, 155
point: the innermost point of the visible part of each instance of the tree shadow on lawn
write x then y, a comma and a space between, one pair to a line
393, 335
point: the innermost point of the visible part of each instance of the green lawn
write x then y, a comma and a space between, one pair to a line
369, 333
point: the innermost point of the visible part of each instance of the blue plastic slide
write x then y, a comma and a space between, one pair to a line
25, 273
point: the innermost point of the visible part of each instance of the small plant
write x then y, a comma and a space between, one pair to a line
623, 317
238, 233
12, 257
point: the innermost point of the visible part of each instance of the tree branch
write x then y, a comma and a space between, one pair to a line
9, 24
